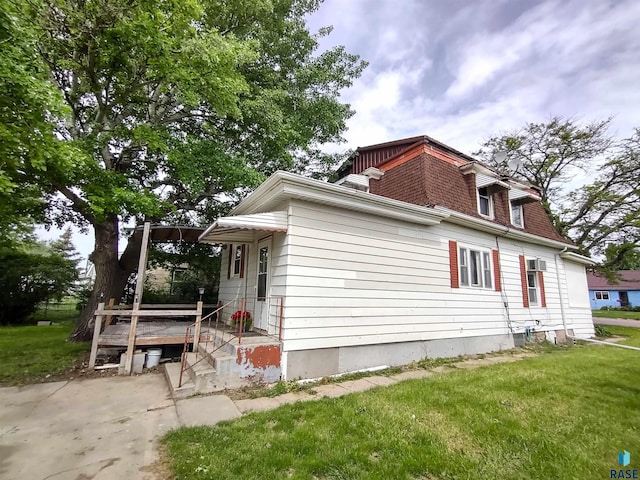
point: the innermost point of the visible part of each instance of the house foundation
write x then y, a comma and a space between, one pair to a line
329, 361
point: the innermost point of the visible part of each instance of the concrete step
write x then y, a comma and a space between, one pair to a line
199, 371
172, 374
206, 379
224, 363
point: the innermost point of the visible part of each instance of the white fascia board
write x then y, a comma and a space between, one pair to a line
282, 185
574, 257
502, 230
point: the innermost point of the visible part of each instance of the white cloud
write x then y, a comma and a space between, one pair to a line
488, 66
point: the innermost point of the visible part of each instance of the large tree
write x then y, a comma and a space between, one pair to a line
172, 104
590, 182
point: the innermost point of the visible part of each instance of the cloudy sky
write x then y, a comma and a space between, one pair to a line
461, 71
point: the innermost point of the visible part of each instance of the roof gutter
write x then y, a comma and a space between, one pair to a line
502, 230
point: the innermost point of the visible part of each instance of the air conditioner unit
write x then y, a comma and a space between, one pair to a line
536, 265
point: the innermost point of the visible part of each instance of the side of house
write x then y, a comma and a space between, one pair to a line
417, 251
365, 291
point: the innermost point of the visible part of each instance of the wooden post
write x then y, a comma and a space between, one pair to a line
137, 298
96, 334
196, 334
107, 321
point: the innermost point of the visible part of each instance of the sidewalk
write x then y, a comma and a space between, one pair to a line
108, 428
619, 322
210, 410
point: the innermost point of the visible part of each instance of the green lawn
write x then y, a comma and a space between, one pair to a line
29, 353
616, 314
564, 414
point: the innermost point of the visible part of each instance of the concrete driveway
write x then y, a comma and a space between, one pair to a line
619, 322
98, 429
104, 428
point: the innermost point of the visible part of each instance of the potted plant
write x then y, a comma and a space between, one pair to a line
242, 318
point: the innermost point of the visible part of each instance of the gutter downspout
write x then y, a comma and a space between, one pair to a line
503, 294
562, 315
564, 323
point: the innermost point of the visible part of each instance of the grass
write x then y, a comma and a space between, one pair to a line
616, 314
30, 354
562, 414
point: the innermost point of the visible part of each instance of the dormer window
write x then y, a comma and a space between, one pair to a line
485, 202
517, 214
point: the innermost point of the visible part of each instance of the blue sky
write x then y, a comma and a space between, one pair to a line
460, 71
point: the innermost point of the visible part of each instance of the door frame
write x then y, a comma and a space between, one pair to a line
266, 303
623, 296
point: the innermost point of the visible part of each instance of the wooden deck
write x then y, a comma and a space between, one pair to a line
147, 333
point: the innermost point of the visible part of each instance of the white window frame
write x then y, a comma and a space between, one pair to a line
483, 277
517, 205
535, 288
177, 279
489, 198
603, 293
236, 261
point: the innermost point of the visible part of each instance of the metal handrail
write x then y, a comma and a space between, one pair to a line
187, 336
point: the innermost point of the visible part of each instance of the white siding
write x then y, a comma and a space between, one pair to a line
245, 288
354, 279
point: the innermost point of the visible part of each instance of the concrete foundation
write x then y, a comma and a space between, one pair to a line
329, 361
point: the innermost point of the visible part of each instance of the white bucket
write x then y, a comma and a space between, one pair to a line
153, 357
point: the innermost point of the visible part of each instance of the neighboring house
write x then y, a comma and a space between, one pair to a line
623, 293
417, 251
165, 280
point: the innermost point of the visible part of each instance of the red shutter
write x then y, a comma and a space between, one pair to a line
543, 298
523, 281
453, 264
496, 270
243, 250
231, 252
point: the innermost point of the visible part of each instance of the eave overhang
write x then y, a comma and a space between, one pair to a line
574, 257
284, 185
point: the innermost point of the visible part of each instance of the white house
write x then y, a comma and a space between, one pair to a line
417, 251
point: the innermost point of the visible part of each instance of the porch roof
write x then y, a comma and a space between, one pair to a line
240, 228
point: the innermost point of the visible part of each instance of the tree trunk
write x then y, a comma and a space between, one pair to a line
111, 273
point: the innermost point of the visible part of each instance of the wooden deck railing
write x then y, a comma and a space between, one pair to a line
135, 311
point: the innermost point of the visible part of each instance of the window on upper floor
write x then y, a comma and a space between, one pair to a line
475, 268
517, 214
485, 202
602, 296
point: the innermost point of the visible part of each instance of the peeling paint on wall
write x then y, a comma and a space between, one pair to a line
261, 360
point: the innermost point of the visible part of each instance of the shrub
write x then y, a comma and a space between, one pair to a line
601, 331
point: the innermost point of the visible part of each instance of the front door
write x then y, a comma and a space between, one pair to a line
262, 294
624, 299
